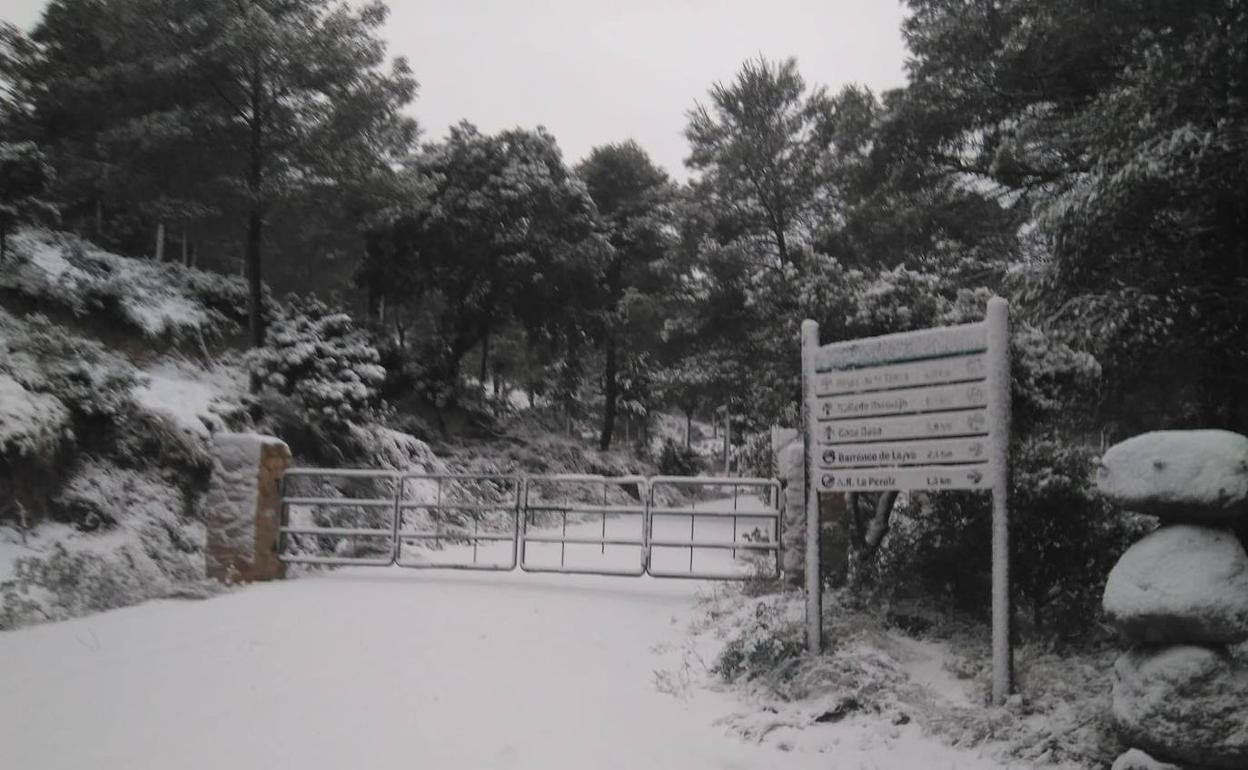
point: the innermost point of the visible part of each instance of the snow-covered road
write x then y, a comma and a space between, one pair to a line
372, 669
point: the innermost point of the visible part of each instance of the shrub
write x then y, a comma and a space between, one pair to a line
81, 373
676, 460
765, 642
1064, 540
319, 359
754, 456
66, 584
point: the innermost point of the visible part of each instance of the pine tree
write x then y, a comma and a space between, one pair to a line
203, 105
759, 149
634, 201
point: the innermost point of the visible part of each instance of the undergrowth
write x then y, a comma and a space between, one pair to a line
1060, 716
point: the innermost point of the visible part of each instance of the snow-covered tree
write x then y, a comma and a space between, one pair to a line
25, 179
197, 106
318, 357
634, 202
758, 150
505, 234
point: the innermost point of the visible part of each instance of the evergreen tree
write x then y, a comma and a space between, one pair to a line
1119, 127
195, 106
634, 201
502, 233
758, 151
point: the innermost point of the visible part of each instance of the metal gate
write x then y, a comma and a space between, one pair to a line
754, 508
466, 513
667, 526
589, 500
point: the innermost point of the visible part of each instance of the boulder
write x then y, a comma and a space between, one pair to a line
1184, 474
1182, 583
1134, 759
1186, 704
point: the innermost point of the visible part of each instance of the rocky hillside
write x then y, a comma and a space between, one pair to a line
114, 374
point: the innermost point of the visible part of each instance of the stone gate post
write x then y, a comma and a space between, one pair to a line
244, 507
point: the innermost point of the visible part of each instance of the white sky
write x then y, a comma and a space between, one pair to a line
599, 71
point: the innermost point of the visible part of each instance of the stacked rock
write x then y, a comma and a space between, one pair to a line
1180, 596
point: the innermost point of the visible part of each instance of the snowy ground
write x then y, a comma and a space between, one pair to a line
396, 668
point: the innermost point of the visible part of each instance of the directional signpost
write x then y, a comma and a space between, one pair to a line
926, 410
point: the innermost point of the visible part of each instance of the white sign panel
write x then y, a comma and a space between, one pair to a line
903, 453
970, 422
905, 411
937, 398
883, 479
933, 372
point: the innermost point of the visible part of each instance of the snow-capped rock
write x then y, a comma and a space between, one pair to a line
1185, 704
1134, 759
1182, 583
1190, 474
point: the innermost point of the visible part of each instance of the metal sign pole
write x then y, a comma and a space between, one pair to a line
814, 586
998, 322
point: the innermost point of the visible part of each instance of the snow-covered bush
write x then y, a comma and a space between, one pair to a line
32, 425
131, 542
678, 460
765, 643
1064, 540
321, 360
86, 377
1052, 385
898, 300
754, 456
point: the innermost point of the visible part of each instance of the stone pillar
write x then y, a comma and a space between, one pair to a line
244, 507
833, 516
790, 469
1180, 597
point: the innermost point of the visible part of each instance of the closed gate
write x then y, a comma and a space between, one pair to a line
669, 526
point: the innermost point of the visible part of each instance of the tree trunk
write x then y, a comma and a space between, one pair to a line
688, 428
255, 214
160, 242
610, 395
186, 250
485, 360
727, 440
255, 298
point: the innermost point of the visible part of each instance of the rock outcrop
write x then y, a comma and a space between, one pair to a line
1179, 475
1181, 596
1184, 703
1182, 583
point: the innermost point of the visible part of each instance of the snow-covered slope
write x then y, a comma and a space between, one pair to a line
114, 373
154, 299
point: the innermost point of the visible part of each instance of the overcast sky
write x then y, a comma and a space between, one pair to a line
599, 71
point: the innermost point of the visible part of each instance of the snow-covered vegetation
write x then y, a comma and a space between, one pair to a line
887, 676
113, 379
159, 301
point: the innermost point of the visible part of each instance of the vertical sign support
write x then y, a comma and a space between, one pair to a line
919, 410
814, 586
998, 366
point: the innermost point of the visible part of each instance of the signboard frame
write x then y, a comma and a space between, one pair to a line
912, 390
